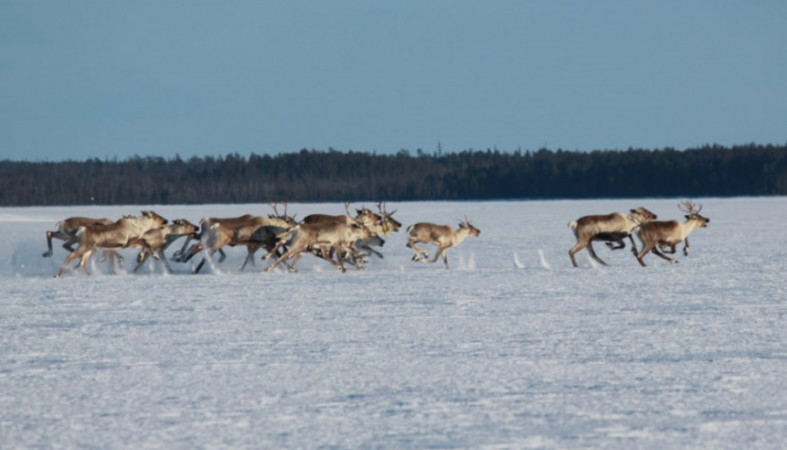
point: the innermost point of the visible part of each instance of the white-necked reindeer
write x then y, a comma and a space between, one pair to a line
443, 236
670, 233
612, 227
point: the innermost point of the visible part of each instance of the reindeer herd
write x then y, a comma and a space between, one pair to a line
339, 239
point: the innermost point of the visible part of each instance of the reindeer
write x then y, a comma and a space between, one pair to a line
385, 225
372, 221
389, 223
205, 225
320, 238
154, 242
670, 233
67, 229
610, 227
114, 235
232, 233
443, 236
267, 235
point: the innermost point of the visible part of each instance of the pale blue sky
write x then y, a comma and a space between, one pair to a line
104, 78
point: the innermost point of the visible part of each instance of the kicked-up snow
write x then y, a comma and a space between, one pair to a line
510, 348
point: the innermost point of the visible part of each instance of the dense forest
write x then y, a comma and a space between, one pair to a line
317, 176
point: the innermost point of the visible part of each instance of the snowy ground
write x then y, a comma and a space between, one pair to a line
511, 348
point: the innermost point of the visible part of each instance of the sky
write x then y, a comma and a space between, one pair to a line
113, 79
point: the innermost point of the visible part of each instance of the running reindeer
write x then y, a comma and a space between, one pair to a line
443, 236
668, 234
612, 227
112, 236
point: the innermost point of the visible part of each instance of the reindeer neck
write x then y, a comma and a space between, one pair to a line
461, 234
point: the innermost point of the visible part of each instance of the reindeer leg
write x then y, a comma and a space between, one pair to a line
667, 249
325, 253
251, 250
686, 247
71, 256
208, 254
83, 261
633, 244
594, 256
287, 255
70, 241
420, 253
662, 255
48, 252
375, 252
60, 235
193, 250
574, 251
645, 249
163, 259
438, 254
199, 266
178, 255
143, 256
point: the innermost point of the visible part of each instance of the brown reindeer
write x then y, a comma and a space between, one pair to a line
67, 229
114, 235
670, 233
231, 233
320, 238
443, 236
610, 227
205, 224
372, 221
267, 236
154, 242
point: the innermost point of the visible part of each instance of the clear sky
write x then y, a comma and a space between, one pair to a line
112, 79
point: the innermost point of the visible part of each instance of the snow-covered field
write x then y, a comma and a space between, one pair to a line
511, 348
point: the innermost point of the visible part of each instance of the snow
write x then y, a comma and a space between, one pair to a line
510, 348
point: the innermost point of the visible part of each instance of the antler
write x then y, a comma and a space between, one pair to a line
689, 207
383, 212
275, 208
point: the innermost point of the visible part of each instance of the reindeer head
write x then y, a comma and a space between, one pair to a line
693, 212
465, 224
365, 216
389, 223
643, 215
157, 218
290, 220
185, 227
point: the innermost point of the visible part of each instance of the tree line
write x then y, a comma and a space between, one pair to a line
331, 176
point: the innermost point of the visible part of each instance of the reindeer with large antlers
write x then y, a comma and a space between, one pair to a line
668, 234
443, 236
